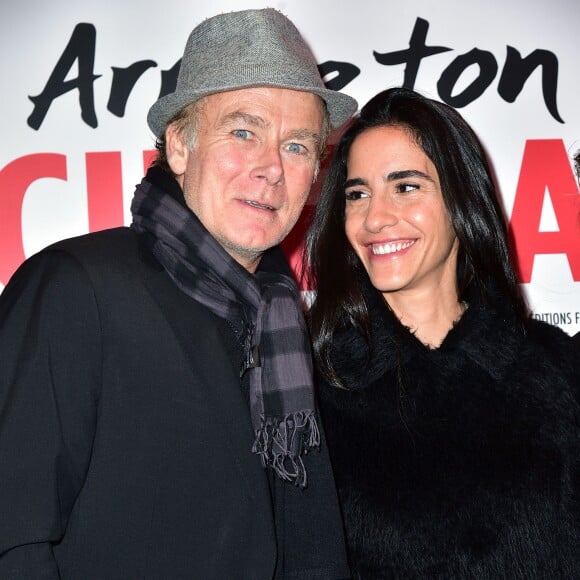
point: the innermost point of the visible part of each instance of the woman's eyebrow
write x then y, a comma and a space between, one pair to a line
405, 174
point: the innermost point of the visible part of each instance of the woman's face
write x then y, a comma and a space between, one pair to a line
396, 220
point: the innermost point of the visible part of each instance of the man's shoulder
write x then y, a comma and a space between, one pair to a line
108, 249
104, 242
104, 256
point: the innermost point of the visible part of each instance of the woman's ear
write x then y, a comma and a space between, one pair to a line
176, 151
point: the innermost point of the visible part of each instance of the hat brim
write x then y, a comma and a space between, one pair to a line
340, 107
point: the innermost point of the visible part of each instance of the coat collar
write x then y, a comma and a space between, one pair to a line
393, 346
212, 372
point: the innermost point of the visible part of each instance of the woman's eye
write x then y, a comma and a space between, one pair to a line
353, 195
242, 133
406, 187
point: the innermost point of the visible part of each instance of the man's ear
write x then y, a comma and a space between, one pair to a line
176, 150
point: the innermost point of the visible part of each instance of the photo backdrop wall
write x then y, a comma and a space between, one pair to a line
78, 78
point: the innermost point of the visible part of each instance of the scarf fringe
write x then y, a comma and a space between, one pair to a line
281, 443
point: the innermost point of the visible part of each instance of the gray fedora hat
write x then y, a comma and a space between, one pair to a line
243, 49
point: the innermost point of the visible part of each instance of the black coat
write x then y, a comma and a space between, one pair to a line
461, 462
125, 439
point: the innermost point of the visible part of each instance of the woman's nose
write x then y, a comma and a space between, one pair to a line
381, 213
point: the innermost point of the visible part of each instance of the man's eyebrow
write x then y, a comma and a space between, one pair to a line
253, 120
304, 135
257, 121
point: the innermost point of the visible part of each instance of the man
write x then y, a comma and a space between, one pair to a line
149, 374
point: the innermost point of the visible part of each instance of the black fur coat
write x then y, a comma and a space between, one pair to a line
461, 462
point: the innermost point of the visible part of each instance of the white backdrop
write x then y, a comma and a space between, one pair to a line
60, 176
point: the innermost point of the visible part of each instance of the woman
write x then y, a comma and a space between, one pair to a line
452, 418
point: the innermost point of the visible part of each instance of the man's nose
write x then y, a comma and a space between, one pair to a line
268, 165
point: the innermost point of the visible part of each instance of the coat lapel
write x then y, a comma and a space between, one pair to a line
213, 371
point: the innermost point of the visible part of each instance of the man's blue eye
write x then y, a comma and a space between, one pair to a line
296, 148
242, 133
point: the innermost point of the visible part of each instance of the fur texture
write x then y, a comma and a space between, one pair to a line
460, 462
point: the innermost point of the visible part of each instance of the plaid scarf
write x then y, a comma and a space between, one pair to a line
276, 347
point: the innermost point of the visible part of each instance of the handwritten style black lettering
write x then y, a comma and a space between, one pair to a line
514, 75
81, 48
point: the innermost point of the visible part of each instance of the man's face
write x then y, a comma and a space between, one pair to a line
253, 163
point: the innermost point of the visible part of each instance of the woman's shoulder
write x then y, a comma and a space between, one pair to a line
551, 340
551, 356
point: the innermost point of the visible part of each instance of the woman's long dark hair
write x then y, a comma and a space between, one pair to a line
470, 198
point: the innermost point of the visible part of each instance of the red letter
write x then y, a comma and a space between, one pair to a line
293, 245
15, 179
104, 190
148, 157
546, 168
